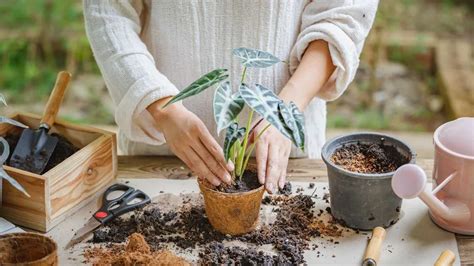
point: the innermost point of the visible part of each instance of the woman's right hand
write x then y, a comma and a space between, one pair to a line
190, 140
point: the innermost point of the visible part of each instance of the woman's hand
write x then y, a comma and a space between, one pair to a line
189, 139
272, 152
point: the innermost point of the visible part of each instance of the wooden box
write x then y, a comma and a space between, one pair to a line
65, 188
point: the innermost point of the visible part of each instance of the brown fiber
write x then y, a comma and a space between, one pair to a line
27, 249
231, 213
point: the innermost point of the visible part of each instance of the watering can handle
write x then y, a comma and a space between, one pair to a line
56, 98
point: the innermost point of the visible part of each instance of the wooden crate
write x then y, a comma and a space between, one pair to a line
67, 187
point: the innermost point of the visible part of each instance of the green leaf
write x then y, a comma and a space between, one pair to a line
294, 121
227, 106
11, 122
265, 103
255, 58
233, 133
3, 174
200, 85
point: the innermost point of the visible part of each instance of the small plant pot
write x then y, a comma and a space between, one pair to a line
231, 213
27, 249
363, 201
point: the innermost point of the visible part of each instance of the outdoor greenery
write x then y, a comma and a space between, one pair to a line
38, 38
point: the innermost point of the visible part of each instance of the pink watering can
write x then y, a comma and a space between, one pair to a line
451, 201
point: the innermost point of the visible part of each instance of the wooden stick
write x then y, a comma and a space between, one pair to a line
372, 252
446, 258
56, 98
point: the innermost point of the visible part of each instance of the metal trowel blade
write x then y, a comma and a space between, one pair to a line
33, 151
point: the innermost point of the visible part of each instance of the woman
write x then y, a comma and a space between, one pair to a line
146, 50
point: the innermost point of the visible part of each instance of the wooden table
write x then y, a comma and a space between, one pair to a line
298, 170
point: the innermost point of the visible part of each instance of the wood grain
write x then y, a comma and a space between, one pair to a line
298, 170
67, 187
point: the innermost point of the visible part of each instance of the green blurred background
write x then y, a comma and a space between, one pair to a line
396, 87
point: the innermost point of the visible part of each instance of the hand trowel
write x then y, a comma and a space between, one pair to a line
35, 147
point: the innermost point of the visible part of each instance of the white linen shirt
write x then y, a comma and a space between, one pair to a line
147, 50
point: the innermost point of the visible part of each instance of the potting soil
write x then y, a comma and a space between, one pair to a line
248, 182
375, 158
63, 150
288, 233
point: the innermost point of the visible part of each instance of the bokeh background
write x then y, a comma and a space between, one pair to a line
416, 68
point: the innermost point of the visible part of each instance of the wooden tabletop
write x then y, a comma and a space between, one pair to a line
298, 170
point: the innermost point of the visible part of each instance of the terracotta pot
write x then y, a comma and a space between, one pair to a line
231, 213
28, 249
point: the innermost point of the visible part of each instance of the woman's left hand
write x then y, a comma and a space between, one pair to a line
272, 152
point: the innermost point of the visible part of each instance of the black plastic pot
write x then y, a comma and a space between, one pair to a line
363, 201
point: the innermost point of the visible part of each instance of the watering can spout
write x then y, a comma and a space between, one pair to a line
409, 181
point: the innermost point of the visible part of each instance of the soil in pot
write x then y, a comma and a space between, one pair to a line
63, 150
374, 158
248, 182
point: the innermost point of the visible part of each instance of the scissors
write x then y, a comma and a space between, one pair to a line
129, 200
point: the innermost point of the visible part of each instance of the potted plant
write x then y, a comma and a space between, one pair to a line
6, 152
234, 209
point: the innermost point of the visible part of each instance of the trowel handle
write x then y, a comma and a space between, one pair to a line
372, 253
56, 98
446, 258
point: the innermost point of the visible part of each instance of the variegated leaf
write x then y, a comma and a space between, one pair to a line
3, 174
200, 85
11, 122
290, 115
265, 103
232, 135
255, 58
2, 99
226, 105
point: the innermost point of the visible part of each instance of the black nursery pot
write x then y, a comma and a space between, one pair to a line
363, 201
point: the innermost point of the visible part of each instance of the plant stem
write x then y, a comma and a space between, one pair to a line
252, 146
241, 156
243, 75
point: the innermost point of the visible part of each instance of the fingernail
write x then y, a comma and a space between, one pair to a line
228, 179
270, 188
230, 166
281, 184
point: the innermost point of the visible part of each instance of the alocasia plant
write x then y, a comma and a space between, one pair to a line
6, 151
228, 105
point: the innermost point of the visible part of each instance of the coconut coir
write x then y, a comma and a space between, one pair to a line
188, 228
375, 158
64, 149
136, 252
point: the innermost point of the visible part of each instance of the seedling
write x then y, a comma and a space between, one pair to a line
6, 150
227, 104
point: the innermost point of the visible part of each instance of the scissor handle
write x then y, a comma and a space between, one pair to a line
120, 205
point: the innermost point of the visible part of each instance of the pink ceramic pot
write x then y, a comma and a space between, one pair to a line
451, 201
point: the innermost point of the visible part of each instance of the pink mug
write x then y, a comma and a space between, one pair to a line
451, 201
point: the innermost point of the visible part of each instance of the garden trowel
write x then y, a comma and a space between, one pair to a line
35, 147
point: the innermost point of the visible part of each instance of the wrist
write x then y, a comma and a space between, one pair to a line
160, 114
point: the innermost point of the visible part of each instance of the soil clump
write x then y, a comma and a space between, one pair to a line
375, 158
63, 150
248, 182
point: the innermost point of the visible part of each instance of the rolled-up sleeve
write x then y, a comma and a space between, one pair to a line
344, 25
129, 70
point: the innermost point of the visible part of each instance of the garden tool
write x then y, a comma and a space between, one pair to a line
35, 147
117, 200
446, 258
372, 253
451, 202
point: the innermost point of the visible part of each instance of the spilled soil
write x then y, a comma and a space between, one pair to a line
63, 150
188, 229
136, 252
375, 158
248, 182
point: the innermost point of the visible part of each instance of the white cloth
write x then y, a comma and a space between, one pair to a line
147, 50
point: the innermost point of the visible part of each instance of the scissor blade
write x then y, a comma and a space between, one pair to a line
82, 233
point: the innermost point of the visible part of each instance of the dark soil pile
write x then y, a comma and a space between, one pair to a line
189, 228
249, 182
136, 252
375, 158
63, 150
